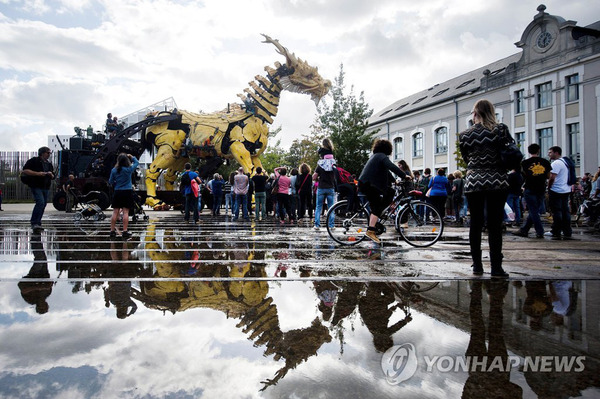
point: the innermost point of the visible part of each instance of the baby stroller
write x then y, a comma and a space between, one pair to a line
87, 210
137, 211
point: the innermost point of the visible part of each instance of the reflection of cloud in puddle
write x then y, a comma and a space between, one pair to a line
196, 350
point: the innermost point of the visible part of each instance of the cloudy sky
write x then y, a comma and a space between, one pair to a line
66, 63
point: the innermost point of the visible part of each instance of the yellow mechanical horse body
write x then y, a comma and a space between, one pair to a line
240, 132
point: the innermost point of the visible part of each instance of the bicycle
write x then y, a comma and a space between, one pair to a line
418, 222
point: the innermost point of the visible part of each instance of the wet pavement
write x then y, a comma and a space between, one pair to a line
244, 309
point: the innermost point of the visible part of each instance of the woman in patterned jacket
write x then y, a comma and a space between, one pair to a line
486, 183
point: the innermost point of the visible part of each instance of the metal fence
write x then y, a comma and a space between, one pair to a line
11, 164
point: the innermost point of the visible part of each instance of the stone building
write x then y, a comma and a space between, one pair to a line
548, 93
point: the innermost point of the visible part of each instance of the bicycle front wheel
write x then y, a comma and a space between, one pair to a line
346, 228
420, 224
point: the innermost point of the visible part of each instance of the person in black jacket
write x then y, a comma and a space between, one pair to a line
304, 185
375, 182
486, 183
40, 173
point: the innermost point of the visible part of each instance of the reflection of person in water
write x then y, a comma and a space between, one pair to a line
564, 301
35, 293
347, 301
537, 304
326, 292
119, 292
485, 380
376, 312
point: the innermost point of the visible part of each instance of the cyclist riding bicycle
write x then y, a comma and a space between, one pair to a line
375, 183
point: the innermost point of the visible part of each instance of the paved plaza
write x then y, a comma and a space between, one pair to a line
252, 309
298, 246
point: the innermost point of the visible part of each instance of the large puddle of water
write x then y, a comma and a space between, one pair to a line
164, 317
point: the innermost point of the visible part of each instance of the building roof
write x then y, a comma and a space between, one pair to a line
467, 83
471, 82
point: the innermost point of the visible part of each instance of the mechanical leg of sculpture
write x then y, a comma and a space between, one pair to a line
167, 157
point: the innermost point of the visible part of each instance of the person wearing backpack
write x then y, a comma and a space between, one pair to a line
38, 174
346, 187
559, 190
191, 198
423, 183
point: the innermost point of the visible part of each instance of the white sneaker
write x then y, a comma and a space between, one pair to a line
317, 228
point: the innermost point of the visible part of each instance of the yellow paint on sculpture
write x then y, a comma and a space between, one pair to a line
238, 132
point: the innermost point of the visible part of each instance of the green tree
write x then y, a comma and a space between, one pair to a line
460, 162
275, 155
304, 150
345, 123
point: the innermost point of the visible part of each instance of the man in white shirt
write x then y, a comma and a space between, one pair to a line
240, 189
558, 196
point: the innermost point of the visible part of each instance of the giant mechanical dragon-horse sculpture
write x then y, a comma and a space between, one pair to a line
239, 132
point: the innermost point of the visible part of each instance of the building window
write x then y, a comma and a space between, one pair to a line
417, 145
544, 140
572, 83
520, 139
441, 140
398, 148
573, 132
519, 101
544, 95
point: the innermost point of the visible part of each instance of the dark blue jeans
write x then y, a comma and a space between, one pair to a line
40, 196
216, 203
191, 205
514, 201
561, 215
534, 203
240, 199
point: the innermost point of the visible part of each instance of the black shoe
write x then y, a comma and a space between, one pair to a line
113, 234
126, 234
519, 233
539, 236
499, 273
477, 270
552, 235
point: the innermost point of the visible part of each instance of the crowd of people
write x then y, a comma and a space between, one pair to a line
289, 194
491, 195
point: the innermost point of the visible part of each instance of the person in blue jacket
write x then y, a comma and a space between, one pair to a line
120, 180
439, 191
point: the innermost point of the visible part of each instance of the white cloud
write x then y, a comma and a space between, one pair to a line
67, 63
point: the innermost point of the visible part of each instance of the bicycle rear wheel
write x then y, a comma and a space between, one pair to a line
420, 224
348, 228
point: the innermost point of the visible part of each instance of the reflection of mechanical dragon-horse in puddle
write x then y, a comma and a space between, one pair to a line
245, 299
239, 132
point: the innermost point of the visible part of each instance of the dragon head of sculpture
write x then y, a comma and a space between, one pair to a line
298, 76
